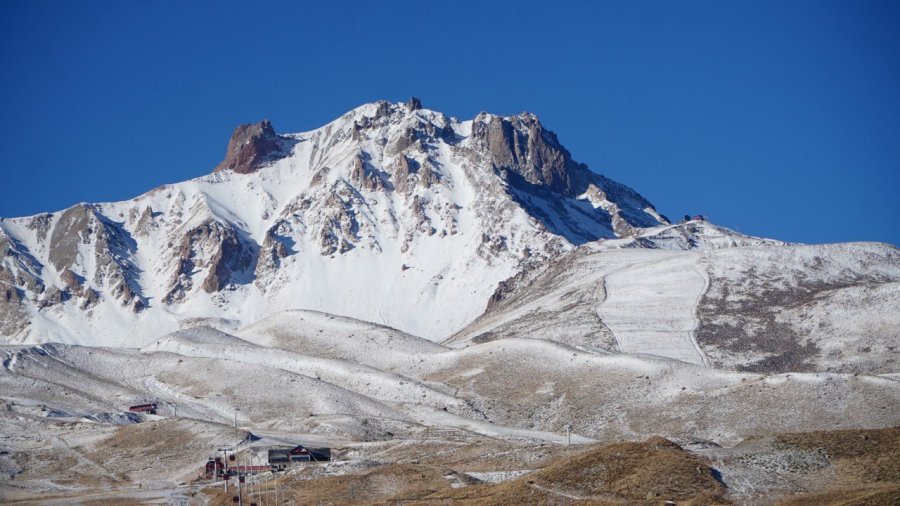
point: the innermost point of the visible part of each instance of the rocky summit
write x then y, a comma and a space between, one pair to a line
252, 146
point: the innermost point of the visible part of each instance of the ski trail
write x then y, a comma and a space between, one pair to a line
705, 276
650, 307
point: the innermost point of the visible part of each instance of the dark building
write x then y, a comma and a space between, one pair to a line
215, 467
280, 458
144, 408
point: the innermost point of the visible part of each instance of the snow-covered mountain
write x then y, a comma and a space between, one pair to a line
392, 214
399, 285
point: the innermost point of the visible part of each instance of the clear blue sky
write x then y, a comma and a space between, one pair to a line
781, 118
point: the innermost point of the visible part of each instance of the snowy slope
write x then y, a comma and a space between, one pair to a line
301, 377
650, 306
510, 389
391, 214
707, 296
830, 307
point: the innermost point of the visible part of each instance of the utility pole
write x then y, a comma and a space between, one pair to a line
241, 479
235, 417
225, 463
248, 468
568, 435
250, 457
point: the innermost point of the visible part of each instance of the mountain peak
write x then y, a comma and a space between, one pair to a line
252, 145
389, 202
413, 104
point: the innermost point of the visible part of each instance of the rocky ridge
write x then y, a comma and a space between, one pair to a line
389, 205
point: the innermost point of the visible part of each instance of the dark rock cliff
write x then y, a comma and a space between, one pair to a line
252, 146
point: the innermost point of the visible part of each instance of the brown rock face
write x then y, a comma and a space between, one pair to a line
82, 225
211, 247
70, 280
524, 147
363, 176
251, 146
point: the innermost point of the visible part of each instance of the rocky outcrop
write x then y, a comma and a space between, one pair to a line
78, 232
408, 173
214, 250
521, 145
340, 230
19, 279
40, 224
400, 174
413, 104
146, 223
253, 146
363, 175
71, 281
409, 138
74, 288
601, 200
275, 247
82, 230
555, 190
229, 258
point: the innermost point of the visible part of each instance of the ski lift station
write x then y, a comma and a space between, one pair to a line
281, 458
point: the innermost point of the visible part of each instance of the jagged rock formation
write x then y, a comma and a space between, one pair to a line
19, 277
82, 231
213, 248
252, 146
80, 236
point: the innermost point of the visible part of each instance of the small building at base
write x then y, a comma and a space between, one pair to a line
149, 408
281, 458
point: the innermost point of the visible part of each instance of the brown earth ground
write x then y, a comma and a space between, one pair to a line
863, 469
855, 467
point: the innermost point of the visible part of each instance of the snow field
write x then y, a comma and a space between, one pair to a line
650, 307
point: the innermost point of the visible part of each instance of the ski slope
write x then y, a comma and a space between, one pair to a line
651, 307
